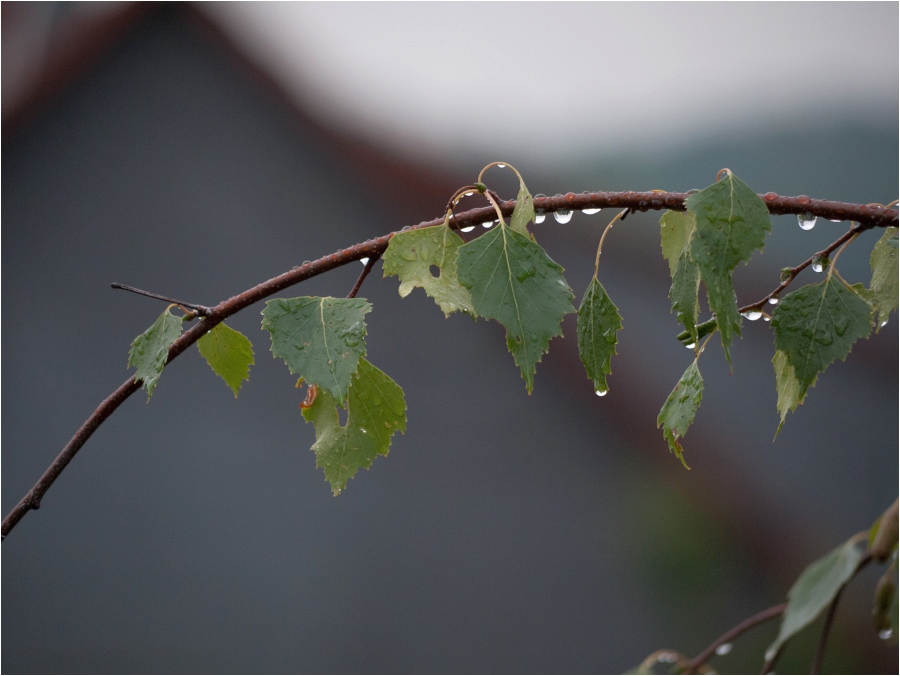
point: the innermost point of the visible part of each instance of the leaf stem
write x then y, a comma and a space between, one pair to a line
491, 199
501, 165
617, 217
733, 633
362, 277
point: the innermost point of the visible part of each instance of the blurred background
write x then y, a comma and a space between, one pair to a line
196, 150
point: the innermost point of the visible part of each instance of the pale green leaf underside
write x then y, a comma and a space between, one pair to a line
229, 354
513, 280
883, 287
598, 324
731, 223
410, 256
320, 339
815, 589
678, 412
683, 294
523, 214
818, 324
787, 386
150, 350
675, 233
376, 410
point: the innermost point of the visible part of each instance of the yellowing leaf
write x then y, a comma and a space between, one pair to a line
681, 406
229, 354
732, 222
376, 410
150, 350
320, 339
410, 256
675, 233
787, 386
513, 281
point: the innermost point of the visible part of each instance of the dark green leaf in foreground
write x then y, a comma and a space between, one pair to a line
320, 339
685, 287
410, 256
675, 233
523, 214
229, 354
598, 325
815, 589
883, 287
678, 412
150, 350
732, 222
817, 324
376, 410
513, 281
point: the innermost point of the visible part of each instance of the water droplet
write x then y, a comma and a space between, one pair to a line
885, 634
364, 261
690, 346
836, 220
601, 393
806, 221
767, 318
489, 224
819, 263
751, 316
363, 430
501, 166
724, 649
562, 216
884, 323
773, 301
468, 194
590, 212
539, 216
468, 228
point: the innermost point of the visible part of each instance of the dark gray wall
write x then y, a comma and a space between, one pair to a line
504, 533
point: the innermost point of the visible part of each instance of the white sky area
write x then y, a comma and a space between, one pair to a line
551, 79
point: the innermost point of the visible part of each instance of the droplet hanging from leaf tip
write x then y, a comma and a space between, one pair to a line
806, 221
601, 393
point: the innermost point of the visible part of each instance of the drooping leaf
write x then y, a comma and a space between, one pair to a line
787, 386
376, 410
883, 287
731, 223
815, 589
320, 339
675, 232
229, 354
524, 211
598, 324
678, 412
410, 256
685, 287
514, 281
817, 324
150, 350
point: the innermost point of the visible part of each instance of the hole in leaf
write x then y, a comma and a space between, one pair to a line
435, 271
342, 417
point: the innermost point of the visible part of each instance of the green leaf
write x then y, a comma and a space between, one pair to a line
410, 256
675, 232
513, 281
320, 339
598, 324
678, 412
150, 350
787, 386
732, 222
376, 410
524, 211
883, 287
229, 354
815, 589
884, 610
817, 324
685, 287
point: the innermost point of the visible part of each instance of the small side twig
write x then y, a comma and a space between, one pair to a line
362, 277
732, 634
200, 310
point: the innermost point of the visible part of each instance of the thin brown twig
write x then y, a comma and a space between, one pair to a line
733, 633
866, 215
200, 310
362, 277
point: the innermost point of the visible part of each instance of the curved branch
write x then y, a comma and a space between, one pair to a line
733, 633
867, 215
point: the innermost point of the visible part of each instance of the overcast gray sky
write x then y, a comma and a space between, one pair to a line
561, 78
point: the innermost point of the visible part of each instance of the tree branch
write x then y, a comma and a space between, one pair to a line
868, 216
732, 634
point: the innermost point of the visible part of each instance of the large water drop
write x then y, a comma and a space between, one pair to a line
562, 216
773, 301
601, 393
819, 263
468, 228
590, 212
539, 216
806, 221
751, 316
501, 166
